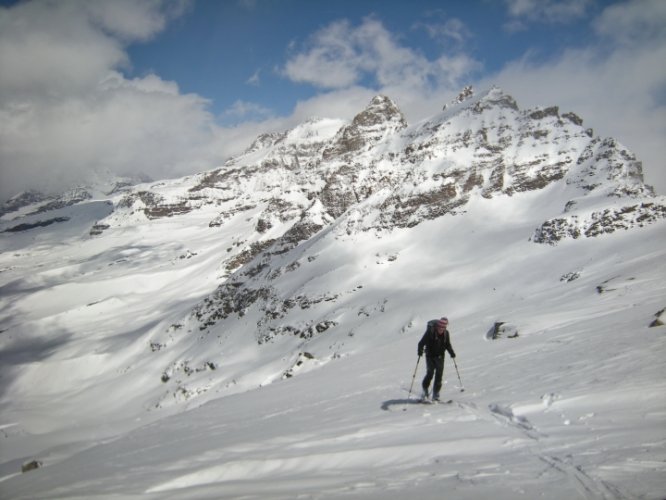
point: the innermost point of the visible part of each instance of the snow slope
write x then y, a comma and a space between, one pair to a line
143, 362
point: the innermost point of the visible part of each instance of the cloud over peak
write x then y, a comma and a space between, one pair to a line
342, 55
65, 107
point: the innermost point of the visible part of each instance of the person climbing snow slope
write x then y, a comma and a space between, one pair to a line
435, 341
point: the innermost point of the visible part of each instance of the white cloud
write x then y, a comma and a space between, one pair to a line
340, 103
255, 79
52, 49
66, 109
444, 30
341, 55
126, 19
549, 11
453, 29
522, 12
638, 21
332, 60
246, 111
138, 125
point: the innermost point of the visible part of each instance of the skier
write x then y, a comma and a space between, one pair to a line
435, 341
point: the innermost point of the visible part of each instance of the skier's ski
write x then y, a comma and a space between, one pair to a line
436, 401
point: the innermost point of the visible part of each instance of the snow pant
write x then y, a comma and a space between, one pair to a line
434, 366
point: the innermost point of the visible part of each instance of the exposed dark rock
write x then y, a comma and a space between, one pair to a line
573, 118
229, 298
338, 193
502, 330
657, 320
148, 198
599, 223
303, 358
167, 210
263, 225
301, 231
228, 214
411, 211
540, 114
42, 223
554, 230
465, 93
248, 254
367, 127
497, 99
32, 465
156, 346
66, 200
98, 229
570, 276
304, 333
22, 200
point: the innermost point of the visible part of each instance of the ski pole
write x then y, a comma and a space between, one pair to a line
462, 389
413, 377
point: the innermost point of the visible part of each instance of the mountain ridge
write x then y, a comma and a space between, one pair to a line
480, 166
493, 167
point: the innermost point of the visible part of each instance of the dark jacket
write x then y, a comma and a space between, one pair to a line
435, 344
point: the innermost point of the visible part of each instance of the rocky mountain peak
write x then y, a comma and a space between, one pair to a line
381, 110
466, 93
482, 146
379, 119
495, 97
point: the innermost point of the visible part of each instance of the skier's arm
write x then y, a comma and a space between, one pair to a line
449, 346
422, 343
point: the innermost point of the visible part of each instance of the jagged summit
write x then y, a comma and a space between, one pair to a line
380, 119
381, 110
483, 144
496, 97
468, 98
465, 93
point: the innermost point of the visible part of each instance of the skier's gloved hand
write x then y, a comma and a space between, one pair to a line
453, 355
420, 352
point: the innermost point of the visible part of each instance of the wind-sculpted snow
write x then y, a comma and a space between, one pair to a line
251, 331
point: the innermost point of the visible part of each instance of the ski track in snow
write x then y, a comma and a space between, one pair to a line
588, 486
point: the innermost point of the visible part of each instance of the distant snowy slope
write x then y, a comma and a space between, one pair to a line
279, 300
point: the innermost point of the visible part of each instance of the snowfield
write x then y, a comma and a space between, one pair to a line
129, 369
571, 408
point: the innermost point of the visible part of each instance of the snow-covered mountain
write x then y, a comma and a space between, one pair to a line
279, 299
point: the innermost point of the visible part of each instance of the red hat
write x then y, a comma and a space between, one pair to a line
442, 323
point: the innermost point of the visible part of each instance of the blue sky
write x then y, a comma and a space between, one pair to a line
171, 87
230, 51
233, 51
